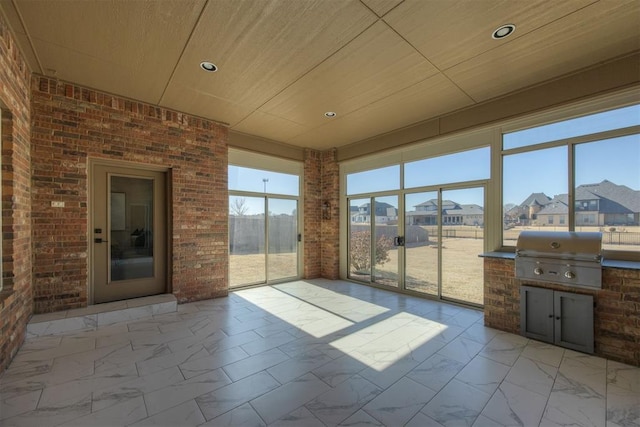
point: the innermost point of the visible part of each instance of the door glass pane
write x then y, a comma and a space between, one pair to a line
462, 242
131, 228
359, 239
283, 239
385, 254
421, 242
246, 240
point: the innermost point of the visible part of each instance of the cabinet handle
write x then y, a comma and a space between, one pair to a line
550, 316
557, 317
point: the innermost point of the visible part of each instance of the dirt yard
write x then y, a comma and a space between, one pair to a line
462, 269
249, 269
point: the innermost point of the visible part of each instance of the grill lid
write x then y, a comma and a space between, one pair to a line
586, 246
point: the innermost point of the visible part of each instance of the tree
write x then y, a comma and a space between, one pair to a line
239, 206
359, 255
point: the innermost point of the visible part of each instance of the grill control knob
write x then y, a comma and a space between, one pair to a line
537, 271
569, 274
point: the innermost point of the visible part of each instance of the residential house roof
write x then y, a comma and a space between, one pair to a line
618, 199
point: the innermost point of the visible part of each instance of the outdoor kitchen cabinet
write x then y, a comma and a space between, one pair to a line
560, 318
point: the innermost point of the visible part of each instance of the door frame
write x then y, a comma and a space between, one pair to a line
92, 163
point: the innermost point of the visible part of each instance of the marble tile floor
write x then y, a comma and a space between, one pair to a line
311, 353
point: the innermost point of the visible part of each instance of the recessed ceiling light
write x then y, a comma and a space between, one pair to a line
209, 66
330, 114
503, 31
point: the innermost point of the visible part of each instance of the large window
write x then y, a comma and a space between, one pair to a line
585, 169
418, 226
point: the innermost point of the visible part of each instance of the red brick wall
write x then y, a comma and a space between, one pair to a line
330, 226
72, 125
16, 295
616, 317
321, 231
312, 214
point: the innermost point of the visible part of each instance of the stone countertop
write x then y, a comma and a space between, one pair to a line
608, 263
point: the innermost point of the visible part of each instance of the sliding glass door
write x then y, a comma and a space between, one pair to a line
282, 236
437, 251
264, 236
374, 259
462, 241
421, 242
247, 227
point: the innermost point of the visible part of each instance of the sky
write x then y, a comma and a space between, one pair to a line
247, 179
546, 171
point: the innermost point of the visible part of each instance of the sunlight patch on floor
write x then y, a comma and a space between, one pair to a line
390, 340
306, 317
342, 305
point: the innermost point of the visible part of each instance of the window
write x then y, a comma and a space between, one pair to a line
594, 123
597, 155
262, 181
371, 181
531, 181
470, 165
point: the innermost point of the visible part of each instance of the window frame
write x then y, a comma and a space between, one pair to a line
559, 115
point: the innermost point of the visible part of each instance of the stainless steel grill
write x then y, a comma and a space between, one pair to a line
568, 258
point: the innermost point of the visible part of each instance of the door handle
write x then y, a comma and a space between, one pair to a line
398, 241
99, 240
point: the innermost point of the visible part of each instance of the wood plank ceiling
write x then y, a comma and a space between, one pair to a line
379, 64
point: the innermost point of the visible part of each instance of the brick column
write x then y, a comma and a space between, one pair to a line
330, 224
312, 213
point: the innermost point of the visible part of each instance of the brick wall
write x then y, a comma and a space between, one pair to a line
330, 225
16, 294
73, 124
321, 229
312, 214
616, 317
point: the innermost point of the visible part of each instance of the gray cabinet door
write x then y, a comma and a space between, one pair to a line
573, 321
536, 313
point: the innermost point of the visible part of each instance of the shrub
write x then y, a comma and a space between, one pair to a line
359, 255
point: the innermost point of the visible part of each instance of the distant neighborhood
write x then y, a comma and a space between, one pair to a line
601, 204
425, 213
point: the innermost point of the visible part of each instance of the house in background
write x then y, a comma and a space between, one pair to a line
527, 211
453, 213
384, 213
602, 204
